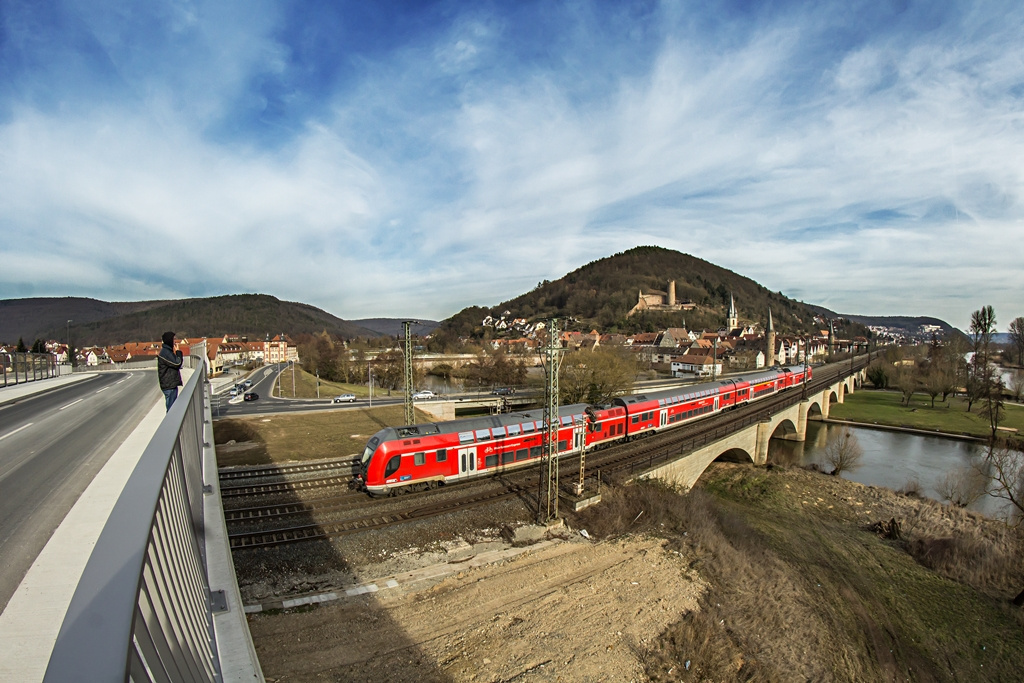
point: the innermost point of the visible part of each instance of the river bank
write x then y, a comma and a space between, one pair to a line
755, 575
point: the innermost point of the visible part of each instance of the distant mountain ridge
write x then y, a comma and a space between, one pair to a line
101, 323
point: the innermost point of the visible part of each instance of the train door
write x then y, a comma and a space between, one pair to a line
716, 404
467, 461
664, 416
579, 437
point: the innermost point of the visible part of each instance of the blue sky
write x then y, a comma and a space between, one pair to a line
410, 159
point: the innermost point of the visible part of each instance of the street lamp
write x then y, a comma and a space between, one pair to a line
69, 341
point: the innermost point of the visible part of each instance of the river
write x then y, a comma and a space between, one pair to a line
891, 459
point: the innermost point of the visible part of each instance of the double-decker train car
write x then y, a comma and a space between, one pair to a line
414, 457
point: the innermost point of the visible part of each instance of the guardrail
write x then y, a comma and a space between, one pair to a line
19, 368
143, 609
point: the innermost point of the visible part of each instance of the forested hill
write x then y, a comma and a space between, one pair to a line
102, 323
600, 294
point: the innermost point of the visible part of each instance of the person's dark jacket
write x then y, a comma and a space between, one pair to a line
168, 367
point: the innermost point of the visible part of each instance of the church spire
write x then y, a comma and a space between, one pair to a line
769, 342
734, 321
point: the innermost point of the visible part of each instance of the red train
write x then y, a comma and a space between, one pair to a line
416, 457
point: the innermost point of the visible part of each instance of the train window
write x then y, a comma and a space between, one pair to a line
491, 461
498, 432
563, 446
636, 418
419, 458
483, 434
465, 437
392, 465
567, 419
536, 452
442, 455
507, 457
528, 427
513, 430
522, 454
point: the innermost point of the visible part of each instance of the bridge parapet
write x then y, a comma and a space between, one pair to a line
752, 440
144, 609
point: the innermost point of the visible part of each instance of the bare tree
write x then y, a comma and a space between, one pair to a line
842, 451
962, 486
905, 379
1004, 465
1017, 385
1017, 338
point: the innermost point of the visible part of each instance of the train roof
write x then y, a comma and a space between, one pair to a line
694, 391
467, 424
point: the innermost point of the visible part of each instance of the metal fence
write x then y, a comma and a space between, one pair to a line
143, 610
19, 368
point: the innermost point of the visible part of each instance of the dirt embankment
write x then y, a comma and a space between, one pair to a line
757, 575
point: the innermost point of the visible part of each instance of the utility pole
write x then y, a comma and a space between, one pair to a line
549, 510
410, 414
714, 362
69, 342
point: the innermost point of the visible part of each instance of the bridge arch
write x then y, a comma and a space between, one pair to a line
785, 429
735, 454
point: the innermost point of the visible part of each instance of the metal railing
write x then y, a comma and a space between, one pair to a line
19, 368
143, 610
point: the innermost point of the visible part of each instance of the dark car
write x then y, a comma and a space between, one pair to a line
503, 391
251, 396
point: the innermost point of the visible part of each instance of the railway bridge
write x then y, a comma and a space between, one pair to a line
750, 443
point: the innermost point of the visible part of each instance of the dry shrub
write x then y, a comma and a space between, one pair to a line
912, 489
965, 547
699, 647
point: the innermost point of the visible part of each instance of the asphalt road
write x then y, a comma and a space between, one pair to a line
225, 405
51, 447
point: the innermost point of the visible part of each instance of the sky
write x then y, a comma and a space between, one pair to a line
390, 159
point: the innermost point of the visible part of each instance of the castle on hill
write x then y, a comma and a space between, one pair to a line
661, 302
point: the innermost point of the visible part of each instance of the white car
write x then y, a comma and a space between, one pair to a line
423, 395
344, 398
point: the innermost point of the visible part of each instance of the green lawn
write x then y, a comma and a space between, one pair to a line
305, 386
885, 407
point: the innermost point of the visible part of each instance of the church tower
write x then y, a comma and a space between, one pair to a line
734, 321
769, 354
831, 338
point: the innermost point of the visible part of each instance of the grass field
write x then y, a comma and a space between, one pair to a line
305, 386
307, 436
885, 407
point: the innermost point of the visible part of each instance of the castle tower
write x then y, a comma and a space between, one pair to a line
769, 354
672, 293
734, 320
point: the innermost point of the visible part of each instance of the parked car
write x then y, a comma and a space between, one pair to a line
423, 395
344, 398
503, 391
251, 396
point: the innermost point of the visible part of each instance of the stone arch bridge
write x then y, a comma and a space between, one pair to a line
750, 442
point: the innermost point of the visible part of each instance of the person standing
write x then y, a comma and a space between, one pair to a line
168, 369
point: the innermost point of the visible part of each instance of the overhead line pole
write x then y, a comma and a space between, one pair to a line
554, 358
410, 414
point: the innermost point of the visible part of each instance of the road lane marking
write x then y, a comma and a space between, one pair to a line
103, 389
15, 431
73, 403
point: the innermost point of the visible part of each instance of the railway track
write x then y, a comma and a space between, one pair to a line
614, 463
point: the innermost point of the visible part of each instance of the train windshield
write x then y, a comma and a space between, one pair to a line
371, 446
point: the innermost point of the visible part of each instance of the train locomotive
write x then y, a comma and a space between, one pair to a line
418, 457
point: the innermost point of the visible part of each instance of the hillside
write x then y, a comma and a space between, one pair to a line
392, 327
97, 322
601, 294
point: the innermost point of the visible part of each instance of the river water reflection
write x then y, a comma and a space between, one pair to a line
891, 459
